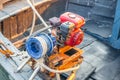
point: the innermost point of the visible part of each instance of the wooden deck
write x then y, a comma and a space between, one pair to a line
10, 64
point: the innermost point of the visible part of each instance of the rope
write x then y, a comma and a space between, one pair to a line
59, 71
39, 16
44, 45
33, 22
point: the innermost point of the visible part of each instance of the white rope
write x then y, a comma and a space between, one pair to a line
33, 22
43, 44
50, 41
39, 16
58, 71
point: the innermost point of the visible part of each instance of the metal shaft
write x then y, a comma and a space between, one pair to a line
23, 64
41, 30
34, 73
58, 76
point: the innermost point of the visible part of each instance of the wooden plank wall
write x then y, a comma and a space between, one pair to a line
16, 25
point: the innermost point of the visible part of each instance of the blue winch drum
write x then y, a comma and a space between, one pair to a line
40, 45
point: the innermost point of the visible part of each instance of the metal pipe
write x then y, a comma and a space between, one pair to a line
34, 73
23, 64
41, 30
66, 7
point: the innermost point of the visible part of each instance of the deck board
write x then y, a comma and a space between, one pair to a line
102, 57
11, 64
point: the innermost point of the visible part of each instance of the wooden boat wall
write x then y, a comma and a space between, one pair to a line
15, 20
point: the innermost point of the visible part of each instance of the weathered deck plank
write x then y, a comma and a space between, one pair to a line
11, 64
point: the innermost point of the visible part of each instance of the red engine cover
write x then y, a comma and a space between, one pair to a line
76, 37
79, 21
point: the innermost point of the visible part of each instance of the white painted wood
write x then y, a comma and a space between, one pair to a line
16, 7
11, 64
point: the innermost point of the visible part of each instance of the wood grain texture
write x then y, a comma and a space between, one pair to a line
16, 25
6, 28
2, 2
13, 27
